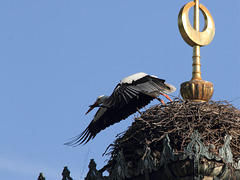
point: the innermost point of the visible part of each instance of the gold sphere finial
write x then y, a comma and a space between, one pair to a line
196, 89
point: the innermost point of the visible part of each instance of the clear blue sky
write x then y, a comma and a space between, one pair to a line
57, 56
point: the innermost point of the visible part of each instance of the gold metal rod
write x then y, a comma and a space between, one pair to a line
196, 71
196, 15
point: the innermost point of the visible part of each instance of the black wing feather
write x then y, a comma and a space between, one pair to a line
124, 101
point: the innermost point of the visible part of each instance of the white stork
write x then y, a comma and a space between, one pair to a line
130, 95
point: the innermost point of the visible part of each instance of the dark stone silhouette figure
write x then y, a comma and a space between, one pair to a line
66, 174
41, 177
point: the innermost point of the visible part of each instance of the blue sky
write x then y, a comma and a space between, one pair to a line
57, 56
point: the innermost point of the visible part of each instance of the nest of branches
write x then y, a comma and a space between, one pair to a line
179, 119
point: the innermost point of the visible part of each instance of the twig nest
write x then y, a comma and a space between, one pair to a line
179, 119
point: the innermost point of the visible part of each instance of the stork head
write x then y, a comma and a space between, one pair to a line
97, 103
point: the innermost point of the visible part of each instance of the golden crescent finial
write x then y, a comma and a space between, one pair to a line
196, 89
191, 35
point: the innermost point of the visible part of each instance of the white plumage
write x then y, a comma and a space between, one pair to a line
133, 77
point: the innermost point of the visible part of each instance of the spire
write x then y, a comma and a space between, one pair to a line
196, 89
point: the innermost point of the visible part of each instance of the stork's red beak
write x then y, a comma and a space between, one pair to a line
92, 107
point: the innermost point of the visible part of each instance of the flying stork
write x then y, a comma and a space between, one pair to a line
130, 95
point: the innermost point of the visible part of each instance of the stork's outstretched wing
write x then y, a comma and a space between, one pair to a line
125, 100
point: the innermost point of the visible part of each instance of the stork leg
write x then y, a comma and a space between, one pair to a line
158, 99
161, 101
166, 96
